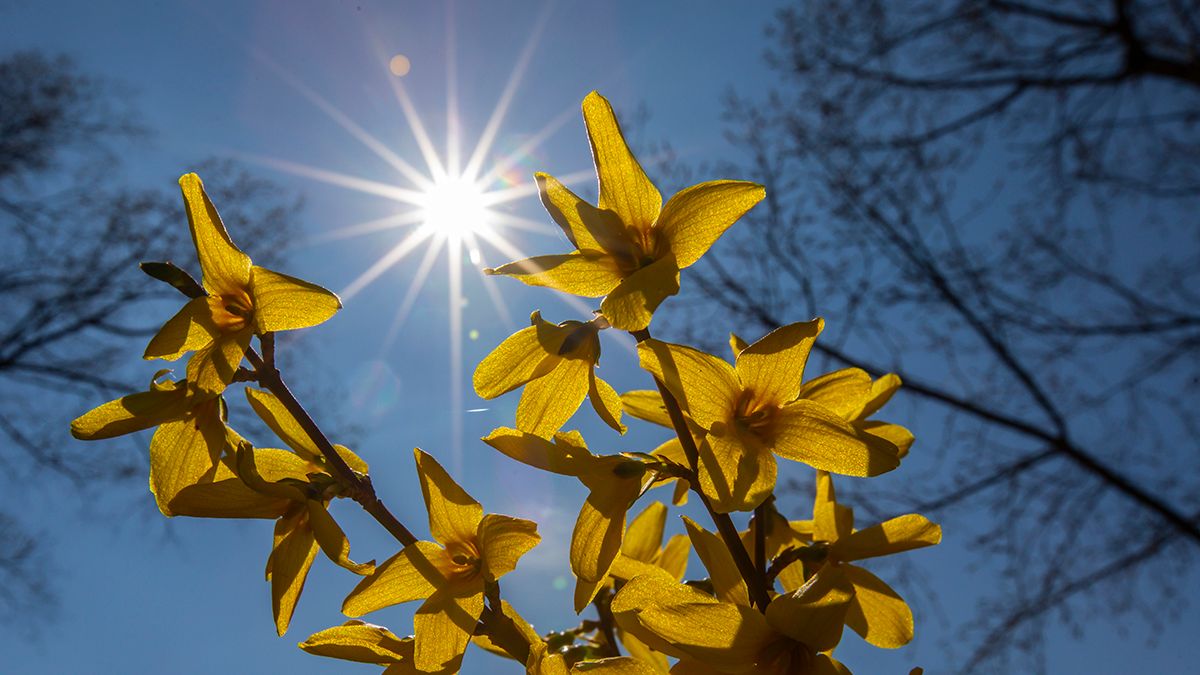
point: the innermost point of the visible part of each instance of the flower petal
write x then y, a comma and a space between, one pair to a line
287, 568
444, 624
648, 591
332, 539
624, 187
843, 391
190, 329
225, 269
359, 641
806, 431
412, 574
815, 613
566, 455
695, 217
549, 401
520, 358
643, 537
903, 533
273, 413
674, 556
882, 391
599, 530
705, 386
773, 366
631, 305
646, 404
722, 571
642, 652
502, 542
736, 471
132, 413
605, 401
617, 665
182, 451
283, 302
587, 227
895, 434
590, 275
454, 515
878, 613
213, 367
226, 498
831, 521
725, 636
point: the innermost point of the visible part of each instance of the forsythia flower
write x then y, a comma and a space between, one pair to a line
751, 412
614, 483
630, 247
243, 300
293, 486
472, 550
557, 365
877, 613
714, 636
365, 643
189, 442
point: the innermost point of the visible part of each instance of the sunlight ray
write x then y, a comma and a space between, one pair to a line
507, 161
453, 140
403, 195
395, 255
526, 224
510, 89
410, 295
489, 285
437, 170
526, 189
456, 339
359, 229
501, 244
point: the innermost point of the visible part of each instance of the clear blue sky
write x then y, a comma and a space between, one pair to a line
290, 82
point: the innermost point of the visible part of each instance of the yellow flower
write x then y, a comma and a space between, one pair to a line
877, 613
243, 300
630, 247
472, 549
714, 636
188, 444
751, 412
365, 643
642, 550
614, 483
293, 486
557, 366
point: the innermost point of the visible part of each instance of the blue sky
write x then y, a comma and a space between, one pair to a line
290, 85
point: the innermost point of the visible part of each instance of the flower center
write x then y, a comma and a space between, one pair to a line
755, 416
464, 559
231, 311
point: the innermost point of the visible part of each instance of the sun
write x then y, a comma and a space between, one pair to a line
455, 208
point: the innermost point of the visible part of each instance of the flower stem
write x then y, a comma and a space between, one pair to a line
755, 582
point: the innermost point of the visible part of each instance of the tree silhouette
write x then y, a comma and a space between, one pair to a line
73, 299
1002, 196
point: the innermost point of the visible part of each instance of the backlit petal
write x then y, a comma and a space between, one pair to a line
411, 574
736, 471
453, 514
674, 557
705, 386
515, 361
616, 665
631, 305
903, 533
882, 391
190, 329
182, 451
587, 227
772, 367
643, 537
502, 542
287, 568
648, 591
226, 498
722, 571
815, 613
566, 455
132, 413
213, 367
878, 613
443, 625
809, 432
605, 401
549, 401
624, 187
646, 404
843, 391
282, 302
589, 274
695, 217
728, 637
831, 521
273, 413
332, 539
359, 641
895, 434
225, 268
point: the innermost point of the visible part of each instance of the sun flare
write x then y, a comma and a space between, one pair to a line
454, 208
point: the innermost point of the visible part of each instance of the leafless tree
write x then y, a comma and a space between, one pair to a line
73, 300
998, 200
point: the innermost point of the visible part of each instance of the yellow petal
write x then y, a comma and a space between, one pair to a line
642, 652
695, 217
502, 542
454, 515
792, 577
878, 613
273, 413
132, 413
599, 530
412, 574
814, 614
590, 275
225, 268
361, 642
722, 571
809, 432
282, 302
882, 391
190, 329
903, 533
182, 451
736, 472
549, 401
727, 637
587, 227
643, 537
520, 625
674, 557
843, 391
280, 465
772, 367
566, 455
287, 568
606, 402
624, 187
631, 305
444, 624
228, 498
705, 386
333, 540
585, 591
351, 459
648, 591
831, 521
736, 344
515, 361
893, 433
213, 367
646, 404
616, 665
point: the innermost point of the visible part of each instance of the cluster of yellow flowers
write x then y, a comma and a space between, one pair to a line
776, 595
